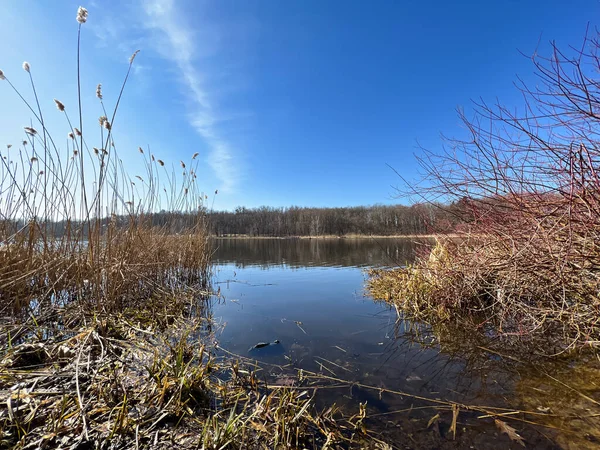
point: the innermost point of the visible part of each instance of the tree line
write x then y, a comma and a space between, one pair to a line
282, 222
303, 221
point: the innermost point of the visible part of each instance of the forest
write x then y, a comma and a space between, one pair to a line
265, 221
381, 220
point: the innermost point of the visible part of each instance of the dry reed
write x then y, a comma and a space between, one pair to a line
105, 326
75, 228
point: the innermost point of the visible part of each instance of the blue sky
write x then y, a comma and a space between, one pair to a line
287, 102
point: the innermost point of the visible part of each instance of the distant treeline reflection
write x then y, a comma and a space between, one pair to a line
314, 252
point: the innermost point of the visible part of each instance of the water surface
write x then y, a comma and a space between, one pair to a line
309, 295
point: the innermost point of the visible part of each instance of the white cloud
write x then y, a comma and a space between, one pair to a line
186, 49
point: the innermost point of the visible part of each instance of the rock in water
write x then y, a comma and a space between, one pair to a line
260, 345
263, 345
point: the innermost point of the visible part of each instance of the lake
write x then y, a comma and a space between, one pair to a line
308, 295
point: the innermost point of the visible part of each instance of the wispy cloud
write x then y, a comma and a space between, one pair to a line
186, 49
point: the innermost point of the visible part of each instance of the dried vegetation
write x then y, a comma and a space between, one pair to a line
117, 385
105, 325
525, 187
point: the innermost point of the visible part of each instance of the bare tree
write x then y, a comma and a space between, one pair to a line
525, 185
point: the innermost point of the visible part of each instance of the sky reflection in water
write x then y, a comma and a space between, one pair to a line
309, 295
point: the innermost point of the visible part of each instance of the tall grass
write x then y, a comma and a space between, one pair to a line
76, 228
104, 310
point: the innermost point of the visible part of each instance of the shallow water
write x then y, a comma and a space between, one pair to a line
309, 295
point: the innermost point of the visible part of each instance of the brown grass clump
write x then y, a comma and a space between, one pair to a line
115, 384
129, 265
525, 187
520, 289
76, 229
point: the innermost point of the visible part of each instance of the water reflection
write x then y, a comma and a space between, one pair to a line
316, 252
308, 294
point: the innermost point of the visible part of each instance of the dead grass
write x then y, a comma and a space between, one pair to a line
121, 383
105, 324
523, 181
528, 289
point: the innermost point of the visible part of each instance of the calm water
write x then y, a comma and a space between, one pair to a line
309, 295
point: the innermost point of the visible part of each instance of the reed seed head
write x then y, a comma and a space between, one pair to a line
99, 91
30, 131
26, 66
82, 14
77, 132
133, 56
8, 146
161, 162
59, 105
24, 142
96, 151
33, 159
107, 125
140, 150
182, 164
195, 155
216, 192
71, 135
2, 77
